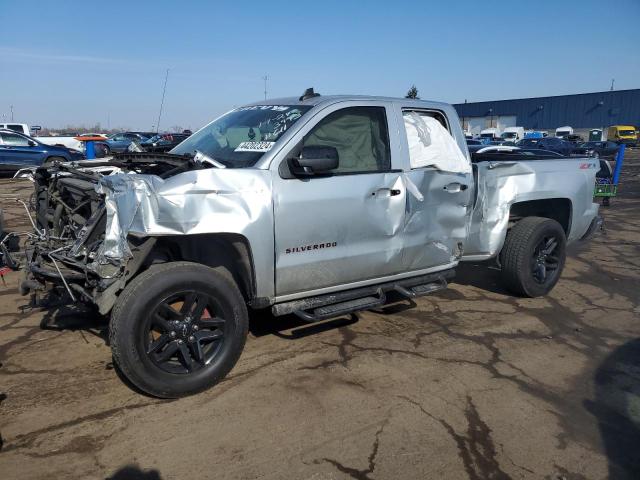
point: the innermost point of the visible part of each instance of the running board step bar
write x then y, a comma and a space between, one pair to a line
342, 308
330, 305
420, 290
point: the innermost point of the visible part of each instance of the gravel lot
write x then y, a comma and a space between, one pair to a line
469, 383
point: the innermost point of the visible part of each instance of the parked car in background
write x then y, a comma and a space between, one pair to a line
574, 138
600, 149
93, 134
626, 134
552, 144
564, 131
16, 127
163, 142
119, 142
471, 142
68, 141
506, 152
21, 151
535, 134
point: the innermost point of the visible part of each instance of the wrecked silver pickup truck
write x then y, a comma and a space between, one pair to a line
316, 206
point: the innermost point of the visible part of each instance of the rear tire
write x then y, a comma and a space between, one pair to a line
533, 256
178, 328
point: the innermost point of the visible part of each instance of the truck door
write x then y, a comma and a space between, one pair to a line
344, 226
439, 174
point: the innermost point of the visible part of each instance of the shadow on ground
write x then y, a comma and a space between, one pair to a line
76, 318
132, 472
617, 409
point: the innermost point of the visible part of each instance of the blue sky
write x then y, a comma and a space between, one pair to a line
60, 64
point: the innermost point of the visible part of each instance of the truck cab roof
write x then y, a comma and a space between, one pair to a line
331, 99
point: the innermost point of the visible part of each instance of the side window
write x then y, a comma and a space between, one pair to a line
14, 140
431, 144
359, 134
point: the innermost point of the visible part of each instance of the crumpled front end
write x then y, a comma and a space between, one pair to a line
94, 231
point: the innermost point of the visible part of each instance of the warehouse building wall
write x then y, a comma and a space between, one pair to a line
585, 110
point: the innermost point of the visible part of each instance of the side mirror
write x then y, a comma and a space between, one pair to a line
314, 160
32, 143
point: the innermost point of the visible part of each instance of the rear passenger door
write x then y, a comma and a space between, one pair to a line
439, 189
343, 227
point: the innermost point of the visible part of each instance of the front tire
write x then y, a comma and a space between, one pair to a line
178, 328
533, 256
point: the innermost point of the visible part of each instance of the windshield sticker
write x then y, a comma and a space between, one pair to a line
275, 108
254, 147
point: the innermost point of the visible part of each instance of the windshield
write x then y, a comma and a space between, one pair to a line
626, 133
155, 138
239, 138
486, 135
562, 133
509, 135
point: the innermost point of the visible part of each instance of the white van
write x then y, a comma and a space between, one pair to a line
492, 133
564, 131
513, 134
16, 127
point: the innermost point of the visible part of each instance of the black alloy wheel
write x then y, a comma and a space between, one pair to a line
178, 328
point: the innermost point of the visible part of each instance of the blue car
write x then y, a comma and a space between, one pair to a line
118, 142
21, 151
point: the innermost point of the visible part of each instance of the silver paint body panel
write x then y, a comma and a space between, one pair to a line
377, 236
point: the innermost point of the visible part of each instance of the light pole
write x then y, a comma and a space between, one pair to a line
265, 78
11, 107
164, 89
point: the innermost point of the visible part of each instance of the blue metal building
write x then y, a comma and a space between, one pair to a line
584, 110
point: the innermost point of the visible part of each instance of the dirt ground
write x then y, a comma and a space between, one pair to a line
468, 383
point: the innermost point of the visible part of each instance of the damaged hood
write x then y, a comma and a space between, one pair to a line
198, 201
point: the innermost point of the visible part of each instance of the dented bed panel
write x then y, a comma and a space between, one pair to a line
194, 202
501, 184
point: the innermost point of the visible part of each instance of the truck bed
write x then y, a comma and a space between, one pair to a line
506, 181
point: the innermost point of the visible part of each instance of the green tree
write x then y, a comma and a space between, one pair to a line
412, 93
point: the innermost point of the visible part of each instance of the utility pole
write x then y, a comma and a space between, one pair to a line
11, 107
265, 78
613, 80
164, 89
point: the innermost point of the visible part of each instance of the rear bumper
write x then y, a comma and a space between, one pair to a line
596, 226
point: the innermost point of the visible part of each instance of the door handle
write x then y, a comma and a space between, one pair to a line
455, 187
392, 191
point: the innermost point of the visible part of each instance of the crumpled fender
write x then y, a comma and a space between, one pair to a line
195, 202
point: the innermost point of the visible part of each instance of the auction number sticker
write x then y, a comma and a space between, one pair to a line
254, 147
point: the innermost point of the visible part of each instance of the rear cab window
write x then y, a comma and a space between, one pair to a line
431, 143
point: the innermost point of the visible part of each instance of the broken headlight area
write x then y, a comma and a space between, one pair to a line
63, 255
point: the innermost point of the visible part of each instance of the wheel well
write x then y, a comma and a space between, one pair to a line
231, 251
558, 209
